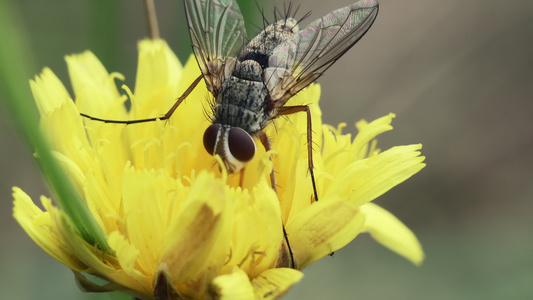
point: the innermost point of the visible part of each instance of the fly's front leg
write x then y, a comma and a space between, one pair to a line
180, 99
286, 256
165, 117
241, 178
287, 110
266, 143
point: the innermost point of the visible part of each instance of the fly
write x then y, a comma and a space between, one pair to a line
252, 83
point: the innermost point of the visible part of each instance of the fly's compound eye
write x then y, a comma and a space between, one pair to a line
210, 138
241, 145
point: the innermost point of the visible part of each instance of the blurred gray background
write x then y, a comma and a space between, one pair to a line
459, 76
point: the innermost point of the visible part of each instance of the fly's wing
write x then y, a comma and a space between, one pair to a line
300, 60
217, 35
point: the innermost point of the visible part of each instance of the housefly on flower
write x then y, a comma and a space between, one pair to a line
251, 82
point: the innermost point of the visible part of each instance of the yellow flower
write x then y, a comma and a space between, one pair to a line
176, 224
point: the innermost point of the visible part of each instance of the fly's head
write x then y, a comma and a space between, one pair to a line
234, 145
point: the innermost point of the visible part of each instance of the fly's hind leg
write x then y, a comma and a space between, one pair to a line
287, 110
286, 256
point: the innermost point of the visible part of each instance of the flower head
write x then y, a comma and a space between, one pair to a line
177, 225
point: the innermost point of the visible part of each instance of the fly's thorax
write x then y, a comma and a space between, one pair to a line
242, 102
260, 48
234, 145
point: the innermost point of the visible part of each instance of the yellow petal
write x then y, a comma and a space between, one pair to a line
126, 253
103, 264
336, 152
322, 228
48, 91
256, 229
66, 133
364, 180
146, 200
94, 87
198, 235
157, 74
235, 285
298, 195
392, 233
39, 226
369, 131
274, 283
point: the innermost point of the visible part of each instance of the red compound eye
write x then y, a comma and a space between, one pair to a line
241, 144
210, 138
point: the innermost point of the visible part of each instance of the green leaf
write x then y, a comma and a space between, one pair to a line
15, 67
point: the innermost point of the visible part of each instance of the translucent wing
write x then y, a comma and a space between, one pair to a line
217, 35
304, 57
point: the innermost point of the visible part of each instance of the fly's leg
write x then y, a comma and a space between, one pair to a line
287, 110
241, 178
165, 117
266, 143
286, 250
